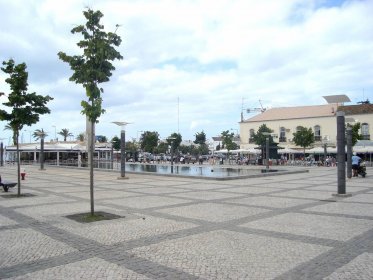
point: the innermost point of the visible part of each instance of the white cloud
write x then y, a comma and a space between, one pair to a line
206, 54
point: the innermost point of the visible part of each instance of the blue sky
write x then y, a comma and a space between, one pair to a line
193, 65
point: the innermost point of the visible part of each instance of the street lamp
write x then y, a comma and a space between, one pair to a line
41, 134
122, 149
2, 152
172, 139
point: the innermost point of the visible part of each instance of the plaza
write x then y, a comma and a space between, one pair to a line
276, 227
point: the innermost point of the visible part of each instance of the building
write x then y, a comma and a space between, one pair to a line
285, 121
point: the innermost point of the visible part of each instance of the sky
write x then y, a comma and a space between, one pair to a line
191, 65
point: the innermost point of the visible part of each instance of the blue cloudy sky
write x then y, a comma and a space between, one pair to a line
192, 65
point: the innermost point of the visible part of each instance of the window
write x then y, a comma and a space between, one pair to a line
282, 134
298, 128
317, 133
365, 131
251, 136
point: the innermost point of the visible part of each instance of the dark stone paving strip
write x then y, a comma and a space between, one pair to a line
24, 268
146, 267
328, 262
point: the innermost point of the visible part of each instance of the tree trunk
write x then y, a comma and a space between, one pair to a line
18, 166
91, 144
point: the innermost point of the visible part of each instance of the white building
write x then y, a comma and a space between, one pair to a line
285, 121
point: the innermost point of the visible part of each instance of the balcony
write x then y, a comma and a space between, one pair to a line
365, 137
251, 140
282, 139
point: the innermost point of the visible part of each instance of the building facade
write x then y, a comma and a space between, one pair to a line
285, 121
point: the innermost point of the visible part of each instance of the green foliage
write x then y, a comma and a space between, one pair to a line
227, 140
355, 132
94, 65
260, 138
174, 140
26, 107
39, 134
304, 137
116, 143
203, 149
65, 133
131, 146
200, 138
149, 141
162, 148
81, 137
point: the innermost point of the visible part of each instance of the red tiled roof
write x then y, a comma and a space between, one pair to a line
284, 113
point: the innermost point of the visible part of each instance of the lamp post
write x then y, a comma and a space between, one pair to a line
2, 152
172, 139
122, 149
267, 134
41, 155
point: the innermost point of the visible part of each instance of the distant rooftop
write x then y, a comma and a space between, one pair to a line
300, 112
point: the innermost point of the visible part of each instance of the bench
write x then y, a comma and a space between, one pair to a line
6, 185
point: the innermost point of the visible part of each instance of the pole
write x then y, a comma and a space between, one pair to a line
172, 156
349, 152
267, 154
42, 152
122, 153
1, 154
341, 154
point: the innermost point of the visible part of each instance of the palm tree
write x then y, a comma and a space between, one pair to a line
8, 127
65, 133
39, 134
81, 137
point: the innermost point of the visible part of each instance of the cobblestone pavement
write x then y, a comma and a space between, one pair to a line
279, 227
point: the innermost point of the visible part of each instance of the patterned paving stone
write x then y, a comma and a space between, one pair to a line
306, 194
366, 197
360, 268
206, 195
94, 268
100, 194
4, 221
35, 200
26, 245
121, 230
142, 202
336, 228
333, 188
250, 190
344, 208
277, 202
52, 212
213, 212
229, 255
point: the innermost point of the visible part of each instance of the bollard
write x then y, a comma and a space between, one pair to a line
23, 175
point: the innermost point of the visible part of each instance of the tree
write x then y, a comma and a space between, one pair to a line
14, 136
26, 107
80, 137
116, 143
304, 138
91, 69
149, 141
259, 137
65, 133
174, 140
162, 148
355, 132
200, 138
227, 140
39, 133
